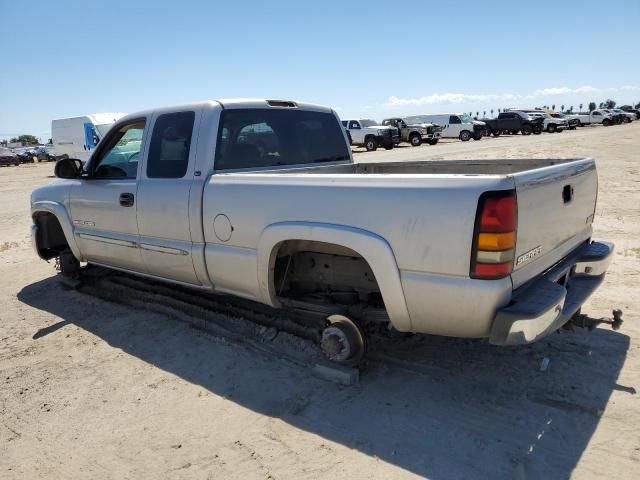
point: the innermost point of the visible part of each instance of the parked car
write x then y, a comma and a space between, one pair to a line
627, 117
572, 123
415, 134
367, 133
482, 248
549, 124
594, 117
514, 122
454, 125
7, 157
634, 111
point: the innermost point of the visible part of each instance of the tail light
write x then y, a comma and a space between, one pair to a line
494, 239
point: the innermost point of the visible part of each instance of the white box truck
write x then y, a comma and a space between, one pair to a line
76, 137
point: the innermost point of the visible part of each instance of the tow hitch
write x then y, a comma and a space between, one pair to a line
585, 321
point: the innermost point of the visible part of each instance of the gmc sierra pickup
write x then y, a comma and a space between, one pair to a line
261, 199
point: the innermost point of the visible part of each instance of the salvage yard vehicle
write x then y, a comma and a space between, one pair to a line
457, 125
549, 124
368, 134
596, 116
572, 123
627, 117
495, 249
8, 158
415, 134
514, 122
76, 137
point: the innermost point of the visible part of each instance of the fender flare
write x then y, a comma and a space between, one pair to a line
60, 212
373, 248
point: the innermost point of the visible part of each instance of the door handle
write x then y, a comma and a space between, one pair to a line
126, 199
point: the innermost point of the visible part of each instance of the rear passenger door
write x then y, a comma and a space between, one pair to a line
164, 194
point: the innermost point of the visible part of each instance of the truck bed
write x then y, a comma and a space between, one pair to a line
427, 167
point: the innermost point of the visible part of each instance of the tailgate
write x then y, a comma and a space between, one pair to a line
555, 211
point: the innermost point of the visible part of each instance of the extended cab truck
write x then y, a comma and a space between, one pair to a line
596, 116
415, 134
368, 134
497, 249
515, 122
627, 117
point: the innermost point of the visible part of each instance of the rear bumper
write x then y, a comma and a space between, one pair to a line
548, 302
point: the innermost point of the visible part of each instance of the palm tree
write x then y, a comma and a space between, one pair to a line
553, 107
571, 108
580, 107
492, 112
499, 110
484, 114
562, 108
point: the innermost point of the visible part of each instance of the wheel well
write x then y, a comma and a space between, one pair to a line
323, 274
50, 239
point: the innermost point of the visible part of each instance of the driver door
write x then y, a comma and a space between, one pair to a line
103, 204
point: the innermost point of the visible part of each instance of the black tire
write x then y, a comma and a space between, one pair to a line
415, 139
606, 122
432, 142
580, 124
465, 135
389, 146
513, 132
552, 128
627, 120
69, 265
496, 133
477, 136
371, 144
537, 131
526, 129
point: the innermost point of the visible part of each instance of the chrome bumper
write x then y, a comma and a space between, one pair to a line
541, 307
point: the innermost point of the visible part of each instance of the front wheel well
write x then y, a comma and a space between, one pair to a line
50, 239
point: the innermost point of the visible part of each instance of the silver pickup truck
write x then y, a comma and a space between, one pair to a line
261, 199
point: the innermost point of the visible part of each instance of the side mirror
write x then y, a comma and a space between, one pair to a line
68, 168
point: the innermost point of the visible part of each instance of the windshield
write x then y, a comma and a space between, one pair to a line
465, 118
253, 138
368, 123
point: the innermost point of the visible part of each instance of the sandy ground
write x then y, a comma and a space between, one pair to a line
92, 388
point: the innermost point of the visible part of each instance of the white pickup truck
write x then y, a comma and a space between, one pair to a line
368, 134
596, 116
261, 199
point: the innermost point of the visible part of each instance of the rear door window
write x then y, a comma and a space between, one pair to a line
271, 137
170, 145
454, 119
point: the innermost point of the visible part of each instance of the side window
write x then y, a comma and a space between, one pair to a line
354, 125
596, 113
344, 123
121, 152
454, 119
170, 143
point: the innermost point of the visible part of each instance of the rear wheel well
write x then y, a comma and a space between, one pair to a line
50, 239
325, 277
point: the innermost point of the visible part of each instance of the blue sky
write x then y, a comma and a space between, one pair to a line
367, 59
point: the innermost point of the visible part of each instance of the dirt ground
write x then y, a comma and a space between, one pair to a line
93, 388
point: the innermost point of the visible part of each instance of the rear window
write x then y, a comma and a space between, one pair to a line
254, 138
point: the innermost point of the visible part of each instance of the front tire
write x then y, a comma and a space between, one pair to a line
551, 128
415, 140
371, 144
465, 135
477, 136
527, 130
433, 142
496, 133
606, 122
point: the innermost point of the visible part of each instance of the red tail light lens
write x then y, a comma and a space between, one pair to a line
494, 235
